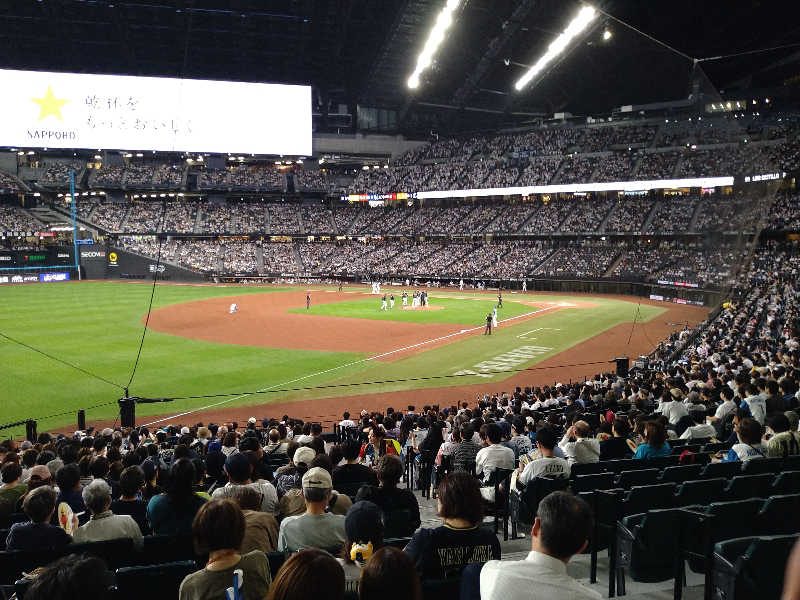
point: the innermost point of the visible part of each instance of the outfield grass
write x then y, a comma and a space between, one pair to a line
97, 326
460, 312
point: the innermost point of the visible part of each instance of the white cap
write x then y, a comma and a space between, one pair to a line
251, 420
184, 430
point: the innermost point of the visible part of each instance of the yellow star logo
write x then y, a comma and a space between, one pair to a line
50, 105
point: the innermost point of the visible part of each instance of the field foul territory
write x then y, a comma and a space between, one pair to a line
505, 361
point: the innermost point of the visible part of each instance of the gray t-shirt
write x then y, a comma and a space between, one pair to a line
269, 496
211, 585
324, 531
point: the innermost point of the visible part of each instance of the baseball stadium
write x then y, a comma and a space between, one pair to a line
421, 299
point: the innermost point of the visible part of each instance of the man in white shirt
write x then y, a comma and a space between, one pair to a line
727, 406
674, 409
585, 449
492, 457
700, 429
237, 467
561, 530
549, 465
756, 404
347, 422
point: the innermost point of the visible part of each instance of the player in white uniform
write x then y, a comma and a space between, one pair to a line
461, 284
391, 301
524, 285
383, 302
405, 298
494, 318
234, 308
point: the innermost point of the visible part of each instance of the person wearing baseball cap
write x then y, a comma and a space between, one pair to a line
363, 526
315, 528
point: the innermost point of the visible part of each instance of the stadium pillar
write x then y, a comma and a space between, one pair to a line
81, 420
623, 363
30, 431
127, 412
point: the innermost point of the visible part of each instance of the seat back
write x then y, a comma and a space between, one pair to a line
13, 564
351, 488
681, 473
763, 566
625, 464
596, 481
749, 486
700, 491
116, 553
3, 537
532, 495
780, 515
787, 482
721, 469
398, 523
168, 548
734, 518
762, 465
441, 589
791, 462
276, 560
163, 581
628, 479
588, 468
643, 498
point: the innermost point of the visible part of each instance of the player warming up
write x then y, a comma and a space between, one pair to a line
234, 308
383, 302
391, 301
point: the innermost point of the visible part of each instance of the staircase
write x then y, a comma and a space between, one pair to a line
602, 227
260, 260
332, 221
267, 220
546, 262
297, 258
300, 221
695, 215
650, 216
614, 265
636, 165
198, 219
678, 166
557, 175
48, 216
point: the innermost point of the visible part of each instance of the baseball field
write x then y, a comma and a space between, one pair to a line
275, 356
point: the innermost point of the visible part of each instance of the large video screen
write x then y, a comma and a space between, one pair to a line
115, 112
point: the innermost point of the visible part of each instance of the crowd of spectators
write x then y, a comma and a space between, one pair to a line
317, 219
733, 214
588, 214
57, 173
581, 260
108, 215
239, 256
215, 217
548, 216
260, 177
280, 484
168, 175
109, 175
629, 214
143, 217
213, 178
251, 216
785, 212
180, 216
657, 165
282, 218
673, 214
14, 218
539, 171
310, 180
200, 254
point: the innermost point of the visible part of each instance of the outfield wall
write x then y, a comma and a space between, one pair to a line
122, 264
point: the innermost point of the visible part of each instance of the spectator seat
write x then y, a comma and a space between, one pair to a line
163, 580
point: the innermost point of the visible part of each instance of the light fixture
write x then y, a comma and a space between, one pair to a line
607, 35
365, 167
436, 37
139, 155
557, 46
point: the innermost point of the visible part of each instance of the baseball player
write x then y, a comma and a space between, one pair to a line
524, 285
234, 308
499, 299
383, 302
461, 284
308, 301
404, 298
488, 330
391, 301
494, 317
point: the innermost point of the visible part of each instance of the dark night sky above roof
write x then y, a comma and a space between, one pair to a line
362, 51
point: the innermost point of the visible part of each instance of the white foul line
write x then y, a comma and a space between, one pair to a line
350, 364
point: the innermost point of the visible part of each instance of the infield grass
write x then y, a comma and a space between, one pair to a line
465, 311
97, 326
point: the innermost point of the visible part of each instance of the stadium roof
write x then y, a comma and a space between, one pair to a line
362, 51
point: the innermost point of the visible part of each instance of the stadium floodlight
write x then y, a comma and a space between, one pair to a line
436, 37
607, 35
558, 45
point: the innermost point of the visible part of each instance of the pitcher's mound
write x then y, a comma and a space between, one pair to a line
422, 307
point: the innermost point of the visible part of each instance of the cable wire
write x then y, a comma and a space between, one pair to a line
61, 360
152, 294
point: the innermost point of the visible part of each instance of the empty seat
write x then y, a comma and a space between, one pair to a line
749, 486
791, 463
646, 497
626, 464
779, 515
716, 447
596, 481
276, 560
524, 503
681, 473
168, 548
628, 479
762, 465
163, 581
588, 468
700, 491
747, 568
787, 482
721, 469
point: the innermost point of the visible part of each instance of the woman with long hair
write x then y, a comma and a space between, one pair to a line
308, 575
655, 441
172, 512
